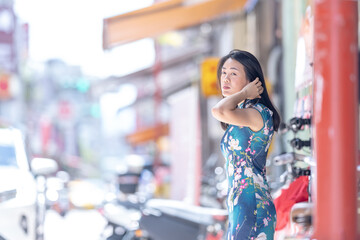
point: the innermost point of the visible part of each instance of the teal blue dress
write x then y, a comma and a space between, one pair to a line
251, 210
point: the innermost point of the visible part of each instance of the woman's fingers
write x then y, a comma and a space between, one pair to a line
256, 88
260, 90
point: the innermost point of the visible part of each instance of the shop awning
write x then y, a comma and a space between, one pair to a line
148, 134
162, 17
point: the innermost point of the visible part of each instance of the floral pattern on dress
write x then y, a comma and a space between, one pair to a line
251, 210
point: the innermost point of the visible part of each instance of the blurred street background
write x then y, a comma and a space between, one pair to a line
117, 96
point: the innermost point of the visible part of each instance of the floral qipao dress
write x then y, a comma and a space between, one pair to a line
252, 213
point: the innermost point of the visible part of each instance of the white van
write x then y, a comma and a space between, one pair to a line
20, 201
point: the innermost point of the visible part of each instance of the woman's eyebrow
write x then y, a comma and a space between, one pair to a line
234, 68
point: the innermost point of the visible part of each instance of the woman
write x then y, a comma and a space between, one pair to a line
250, 119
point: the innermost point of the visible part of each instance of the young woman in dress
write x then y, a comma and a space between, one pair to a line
249, 120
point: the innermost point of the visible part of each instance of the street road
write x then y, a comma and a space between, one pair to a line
76, 225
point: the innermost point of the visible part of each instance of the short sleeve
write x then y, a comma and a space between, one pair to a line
265, 113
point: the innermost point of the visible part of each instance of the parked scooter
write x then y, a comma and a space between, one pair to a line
123, 220
213, 184
122, 207
134, 215
162, 218
158, 219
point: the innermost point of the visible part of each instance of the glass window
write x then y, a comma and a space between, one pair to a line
7, 156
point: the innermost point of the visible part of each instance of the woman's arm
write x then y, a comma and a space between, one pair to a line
226, 110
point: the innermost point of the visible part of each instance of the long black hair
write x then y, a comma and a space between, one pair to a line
252, 70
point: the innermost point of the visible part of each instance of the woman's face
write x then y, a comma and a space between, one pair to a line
233, 77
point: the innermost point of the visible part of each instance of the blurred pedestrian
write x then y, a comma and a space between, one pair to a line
249, 120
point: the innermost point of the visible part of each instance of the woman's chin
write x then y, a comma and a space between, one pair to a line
226, 93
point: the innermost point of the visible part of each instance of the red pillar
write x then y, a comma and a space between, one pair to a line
335, 118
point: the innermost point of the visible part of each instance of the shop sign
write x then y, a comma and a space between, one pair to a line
209, 85
7, 39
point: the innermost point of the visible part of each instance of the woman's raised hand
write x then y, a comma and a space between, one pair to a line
253, 89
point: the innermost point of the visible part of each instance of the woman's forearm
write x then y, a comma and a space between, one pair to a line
228, 104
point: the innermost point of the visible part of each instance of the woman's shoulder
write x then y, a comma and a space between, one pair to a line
262, 108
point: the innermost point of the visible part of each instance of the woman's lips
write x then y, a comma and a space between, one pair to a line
226, 87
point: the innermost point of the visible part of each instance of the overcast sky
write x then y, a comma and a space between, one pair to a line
71, 30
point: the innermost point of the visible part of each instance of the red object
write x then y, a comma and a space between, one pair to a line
296, 192
217, 236
4, 86
65, 110
335, 118
8, 59
45, 135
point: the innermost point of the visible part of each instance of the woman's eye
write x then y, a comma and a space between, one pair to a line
224, 73
234, 74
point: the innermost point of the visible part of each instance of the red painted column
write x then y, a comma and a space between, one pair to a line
335, 118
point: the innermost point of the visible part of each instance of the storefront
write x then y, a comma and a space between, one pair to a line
318, 45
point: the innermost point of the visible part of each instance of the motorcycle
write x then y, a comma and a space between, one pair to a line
123, 217
122, 208
213, 184
163, 219
132, 213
